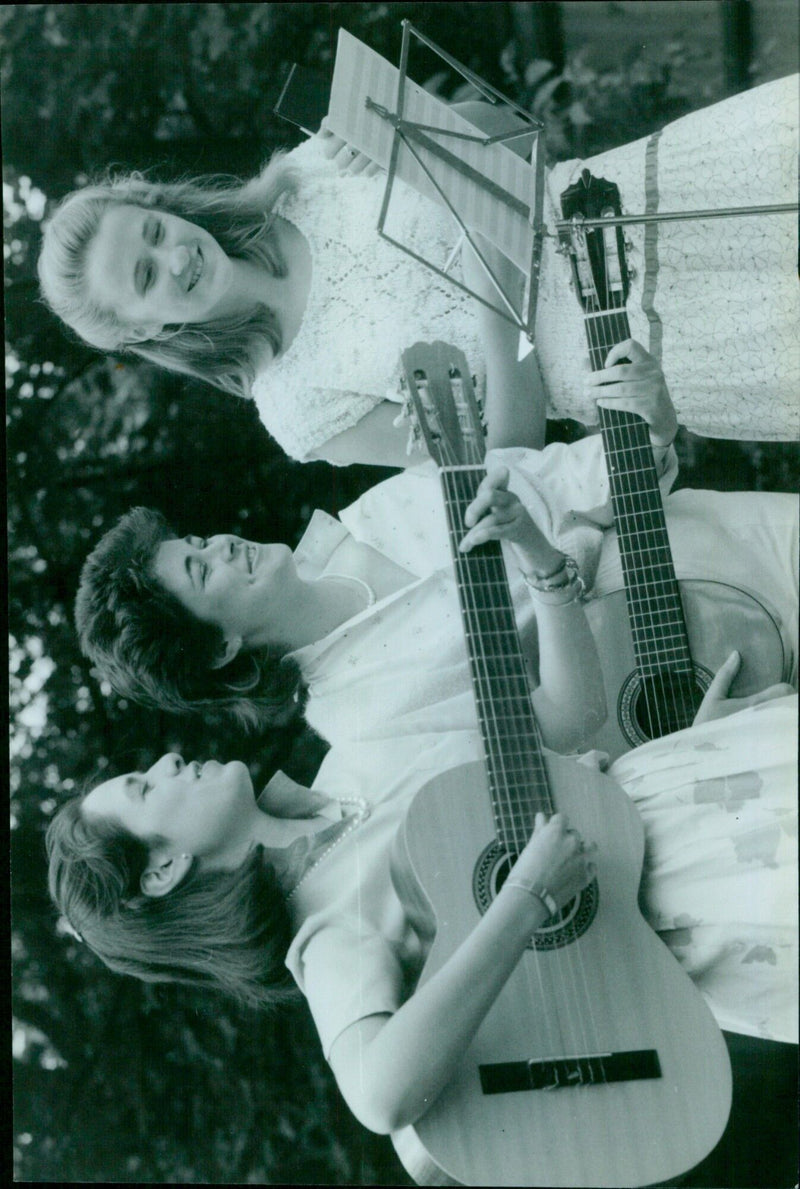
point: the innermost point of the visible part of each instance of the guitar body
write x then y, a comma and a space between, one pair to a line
718, 618
603, 983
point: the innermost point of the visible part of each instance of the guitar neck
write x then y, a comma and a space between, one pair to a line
654, 605
517, 776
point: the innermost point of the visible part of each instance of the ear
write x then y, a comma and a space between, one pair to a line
229, 650
162, 876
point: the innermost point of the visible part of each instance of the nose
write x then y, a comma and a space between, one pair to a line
170, 764
225, 547
178, 259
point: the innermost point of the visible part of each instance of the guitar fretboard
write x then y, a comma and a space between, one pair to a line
656, 613
516, 771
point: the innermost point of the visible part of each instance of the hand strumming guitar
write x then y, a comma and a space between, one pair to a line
555, 865
718, 704
637, 386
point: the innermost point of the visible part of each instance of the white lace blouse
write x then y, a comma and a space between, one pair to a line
368, 302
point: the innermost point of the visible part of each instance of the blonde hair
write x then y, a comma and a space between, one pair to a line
237, 215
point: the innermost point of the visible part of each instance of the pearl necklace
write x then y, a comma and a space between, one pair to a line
369, 592
361, 815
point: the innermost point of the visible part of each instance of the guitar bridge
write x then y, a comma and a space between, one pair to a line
561, 1073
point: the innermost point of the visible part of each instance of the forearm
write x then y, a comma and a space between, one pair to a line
570, 700
404, 1067
515, 397
375, 440
515, 400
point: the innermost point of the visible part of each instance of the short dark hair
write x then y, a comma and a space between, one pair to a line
223, 930
153, 651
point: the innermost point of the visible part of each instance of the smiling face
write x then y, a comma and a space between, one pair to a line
154, 269
243, 588
202, 810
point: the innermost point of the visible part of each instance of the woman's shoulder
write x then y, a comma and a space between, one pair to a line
304, 159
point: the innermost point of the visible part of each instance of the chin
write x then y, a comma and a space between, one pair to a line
239, 773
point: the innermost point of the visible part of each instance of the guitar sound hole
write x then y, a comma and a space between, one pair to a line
491, 872
650, 707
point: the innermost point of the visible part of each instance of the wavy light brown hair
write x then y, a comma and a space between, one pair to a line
237, 215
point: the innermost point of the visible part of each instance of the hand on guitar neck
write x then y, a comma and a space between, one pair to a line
497, 514
563, 664
632, 380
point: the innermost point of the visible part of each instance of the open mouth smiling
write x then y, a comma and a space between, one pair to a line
198, 268
250, 554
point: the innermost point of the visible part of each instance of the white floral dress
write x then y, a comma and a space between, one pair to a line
715, 301
719, 804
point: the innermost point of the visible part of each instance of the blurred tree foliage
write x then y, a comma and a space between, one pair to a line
116, 1081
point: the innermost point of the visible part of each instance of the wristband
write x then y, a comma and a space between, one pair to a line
538, 891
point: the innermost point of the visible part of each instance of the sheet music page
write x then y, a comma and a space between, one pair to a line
360, 73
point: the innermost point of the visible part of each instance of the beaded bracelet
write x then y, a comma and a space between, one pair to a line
571, 590
554, 580
538, 891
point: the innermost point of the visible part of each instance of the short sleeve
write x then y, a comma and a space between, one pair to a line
302, 417
345, 976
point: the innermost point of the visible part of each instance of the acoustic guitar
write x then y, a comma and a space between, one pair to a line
599, 1064
659, 657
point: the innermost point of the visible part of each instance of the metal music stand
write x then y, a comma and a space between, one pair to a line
511, 214
414, 123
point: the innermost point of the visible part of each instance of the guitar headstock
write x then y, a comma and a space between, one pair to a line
444, 405
597, 254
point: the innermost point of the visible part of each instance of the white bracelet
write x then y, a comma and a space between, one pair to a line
538, 891
663, 451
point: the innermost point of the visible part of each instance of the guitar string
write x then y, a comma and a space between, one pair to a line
567, 958
574, 1003
542, 975
657, 617
583, 1012
577, 978
599, 346
677, 682
627, 428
